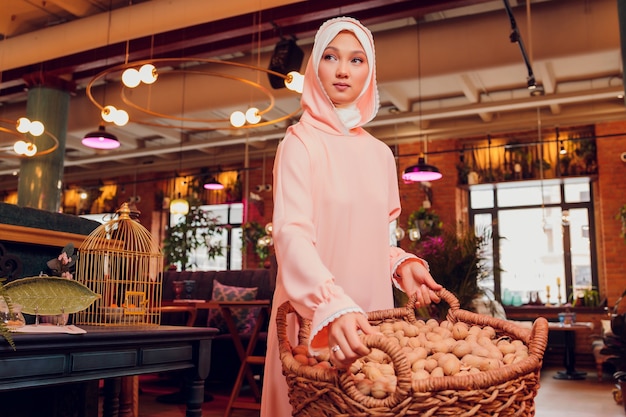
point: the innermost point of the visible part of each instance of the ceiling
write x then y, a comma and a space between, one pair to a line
445, 69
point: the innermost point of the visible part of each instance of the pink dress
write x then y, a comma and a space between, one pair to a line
335, 192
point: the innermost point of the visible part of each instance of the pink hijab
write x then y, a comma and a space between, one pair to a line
317, 106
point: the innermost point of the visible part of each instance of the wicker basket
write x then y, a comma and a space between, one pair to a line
507, 391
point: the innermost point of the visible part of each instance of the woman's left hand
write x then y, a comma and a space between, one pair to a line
415, 278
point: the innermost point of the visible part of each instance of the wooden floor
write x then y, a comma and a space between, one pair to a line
556, 398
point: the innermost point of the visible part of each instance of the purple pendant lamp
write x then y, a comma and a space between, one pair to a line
213, 185
101, 139
421, 172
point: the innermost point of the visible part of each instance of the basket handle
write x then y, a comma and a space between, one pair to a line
445, 295
379, 341
401, 367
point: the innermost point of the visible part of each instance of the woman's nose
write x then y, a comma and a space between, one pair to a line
342, 70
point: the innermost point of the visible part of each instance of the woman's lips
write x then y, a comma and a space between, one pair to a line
341, 86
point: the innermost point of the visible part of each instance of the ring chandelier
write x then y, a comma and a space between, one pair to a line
24, 146
134, 74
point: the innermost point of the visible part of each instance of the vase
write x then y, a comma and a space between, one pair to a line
14, 318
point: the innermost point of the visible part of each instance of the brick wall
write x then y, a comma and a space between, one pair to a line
610, 196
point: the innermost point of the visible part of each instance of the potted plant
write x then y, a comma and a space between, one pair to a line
456, 261
193, 231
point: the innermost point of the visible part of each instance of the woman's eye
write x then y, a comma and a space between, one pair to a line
329, 57
358, 60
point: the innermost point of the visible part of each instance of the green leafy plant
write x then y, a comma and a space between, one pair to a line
193, 231
4, 330
457, 262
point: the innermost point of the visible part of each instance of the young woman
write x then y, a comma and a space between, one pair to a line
335, 193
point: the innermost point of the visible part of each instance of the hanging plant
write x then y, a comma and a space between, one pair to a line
426, 220
254, 233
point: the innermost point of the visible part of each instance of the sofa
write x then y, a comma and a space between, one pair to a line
224, 360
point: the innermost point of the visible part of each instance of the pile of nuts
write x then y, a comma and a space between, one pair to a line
432, 348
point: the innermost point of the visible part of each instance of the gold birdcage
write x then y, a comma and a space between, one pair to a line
120, 262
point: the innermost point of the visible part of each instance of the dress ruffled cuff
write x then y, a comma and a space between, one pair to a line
318, 339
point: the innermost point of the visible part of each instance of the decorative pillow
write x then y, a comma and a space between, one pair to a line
244, 317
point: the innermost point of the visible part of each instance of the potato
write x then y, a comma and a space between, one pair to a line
461, 348
460, 331
450, 364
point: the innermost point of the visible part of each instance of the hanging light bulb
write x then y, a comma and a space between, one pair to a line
400, 234
148, 74
36, 128
252, 116
23, 125
108, 113
131, 78
120, 117
414, 234
31, 149
237, 119
295, 81
20, 147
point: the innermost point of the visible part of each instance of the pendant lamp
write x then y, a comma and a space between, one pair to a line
101, 139
179, 206
421, 172
214, 185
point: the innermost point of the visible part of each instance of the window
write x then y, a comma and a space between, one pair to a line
231, 217
542, 235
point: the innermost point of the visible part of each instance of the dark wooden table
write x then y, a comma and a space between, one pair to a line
569, 360
43, 360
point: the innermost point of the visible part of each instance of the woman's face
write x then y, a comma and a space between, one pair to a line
343, 69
